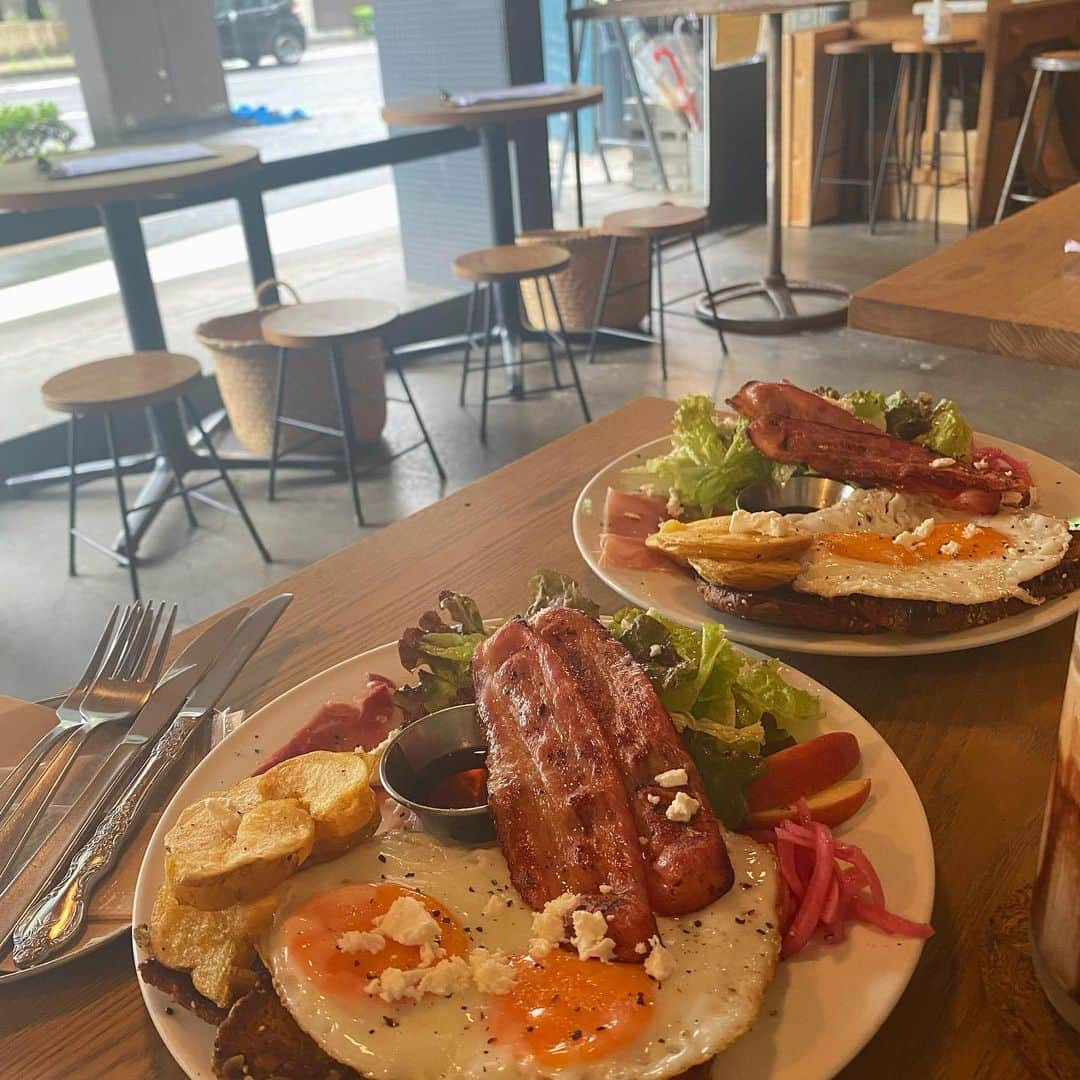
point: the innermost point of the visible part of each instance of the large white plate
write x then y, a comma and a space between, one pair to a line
822, 1007
676, 595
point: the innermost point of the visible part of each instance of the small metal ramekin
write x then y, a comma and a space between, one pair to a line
799, 494
416, 747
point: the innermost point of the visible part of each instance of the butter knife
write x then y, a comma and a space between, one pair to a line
50, 927
156, 715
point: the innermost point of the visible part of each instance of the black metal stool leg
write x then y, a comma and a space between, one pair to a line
419, 419
823, 138
890, 140
488, 326
226, 479
963, 138
935, 157
341, 392
660, 306
708, 292
470, 318
567, 349
73, 454
279, 396
129, 547
601, 303
547, 336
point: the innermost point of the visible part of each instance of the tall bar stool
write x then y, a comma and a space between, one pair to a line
664, 224
944, 49
487, 269
838, 50
1056, 63
330, 325
121, 384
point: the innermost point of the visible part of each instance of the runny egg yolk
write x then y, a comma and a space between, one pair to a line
312, 933
562, 1010
870, 547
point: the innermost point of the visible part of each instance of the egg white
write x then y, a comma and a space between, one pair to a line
721, 970
1036, 543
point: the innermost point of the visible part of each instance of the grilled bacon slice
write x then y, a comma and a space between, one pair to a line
758, 399
686, 863
555, 793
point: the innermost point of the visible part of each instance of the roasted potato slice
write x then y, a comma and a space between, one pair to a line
216, 947
754, 576
710, 538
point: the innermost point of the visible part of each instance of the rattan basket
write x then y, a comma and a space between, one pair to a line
578, 286
246, 368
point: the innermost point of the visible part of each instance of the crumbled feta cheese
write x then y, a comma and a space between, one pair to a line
682, 808
950, 548
653, 800
641, 948
674, 507
1012, 498
495, 904
408, 922
659, 964
764, 522
226, 817
914, 536
982, 464
942, 462
605, 889
549, 925
353, 941
491, 973
590, 937
655, 649
449, 976
672, 778
396, 985
970, 531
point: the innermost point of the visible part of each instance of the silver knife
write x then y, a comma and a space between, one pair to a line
51, 926
156, 715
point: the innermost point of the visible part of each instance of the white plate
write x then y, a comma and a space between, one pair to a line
820, 1010
676, 595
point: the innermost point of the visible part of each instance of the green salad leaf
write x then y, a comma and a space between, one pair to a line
908, 417
867, 405
549, 588
949, 434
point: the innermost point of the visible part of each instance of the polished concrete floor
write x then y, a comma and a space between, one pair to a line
49, 620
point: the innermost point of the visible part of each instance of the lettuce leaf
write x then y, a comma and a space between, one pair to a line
949, 434
867, 405
549, 588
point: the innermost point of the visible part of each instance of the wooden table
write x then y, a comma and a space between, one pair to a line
1009, 289
974, 729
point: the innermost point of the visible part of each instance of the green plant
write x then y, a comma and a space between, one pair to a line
364, 20
29, 130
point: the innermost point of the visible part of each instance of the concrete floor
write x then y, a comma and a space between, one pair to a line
50, 621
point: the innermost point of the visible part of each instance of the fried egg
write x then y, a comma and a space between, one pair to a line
878, 543
561, 1016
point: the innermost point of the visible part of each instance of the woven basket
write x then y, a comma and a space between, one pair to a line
246, 368
578, 286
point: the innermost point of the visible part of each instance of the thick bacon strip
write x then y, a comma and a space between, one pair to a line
758, 399
872, 459
686, 863
554, 789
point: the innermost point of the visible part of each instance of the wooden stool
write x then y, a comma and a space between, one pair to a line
515, 263
838, 50
119, 384
657, 224
956, 48
332, 324
1056, 63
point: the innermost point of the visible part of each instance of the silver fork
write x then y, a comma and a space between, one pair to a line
120, 689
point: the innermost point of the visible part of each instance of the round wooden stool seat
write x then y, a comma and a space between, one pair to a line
853, 47
121, 382
511, 262
667, 219
913, 48
326, 322
1057, 60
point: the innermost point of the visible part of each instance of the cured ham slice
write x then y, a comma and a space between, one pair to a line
630, 513
554, 789
758, 399
686, 862
630, 553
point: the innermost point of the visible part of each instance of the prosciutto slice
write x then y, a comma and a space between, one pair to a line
554, 788
686, 863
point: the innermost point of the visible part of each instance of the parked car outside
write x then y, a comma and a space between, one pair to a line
251, 29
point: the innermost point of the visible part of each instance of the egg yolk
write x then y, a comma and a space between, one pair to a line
312, 933
562, 1010
870, 547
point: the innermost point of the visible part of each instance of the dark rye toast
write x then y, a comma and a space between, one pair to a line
861, 614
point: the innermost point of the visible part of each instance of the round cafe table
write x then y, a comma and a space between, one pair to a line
492, 121
116, 195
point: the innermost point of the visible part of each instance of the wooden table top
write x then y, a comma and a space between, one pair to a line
1009, 289
24, 187
430, 110
974, 729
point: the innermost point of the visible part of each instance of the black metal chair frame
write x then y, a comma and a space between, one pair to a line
660, 307
343, 396
185, 492
493, 309
1055, 68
